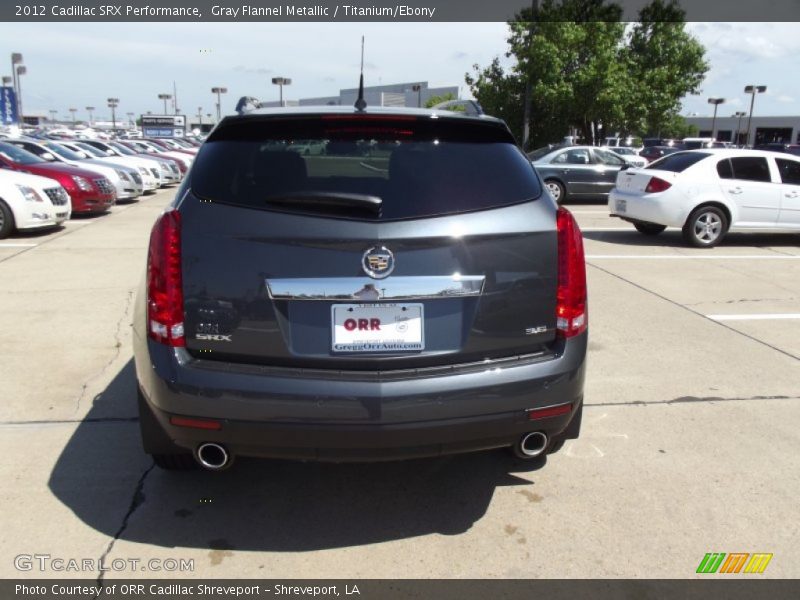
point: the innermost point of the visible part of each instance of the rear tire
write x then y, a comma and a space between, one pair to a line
649, 228
557, 190
705, 227
6, 221
166, 455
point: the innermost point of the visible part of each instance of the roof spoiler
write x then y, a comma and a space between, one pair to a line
470, 107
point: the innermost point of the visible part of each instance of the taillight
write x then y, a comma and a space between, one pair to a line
571, 317
164, 283
657, 184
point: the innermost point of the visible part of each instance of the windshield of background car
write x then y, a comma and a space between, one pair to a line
18, 155
539, 153
608, 158
417, 167
91, 151
677, 162
123, 149
63, 152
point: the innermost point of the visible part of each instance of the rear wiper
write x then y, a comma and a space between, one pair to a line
328, 200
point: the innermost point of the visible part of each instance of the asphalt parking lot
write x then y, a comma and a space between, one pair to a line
690, 441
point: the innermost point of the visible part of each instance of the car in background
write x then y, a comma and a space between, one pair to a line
175, 167
578, 172
710, 192
629, 155
149, 182
173, 145
651, 153
149, 147
31, 202
89, 191
164, 170
669, 142
780, 147
432, 302
127, 182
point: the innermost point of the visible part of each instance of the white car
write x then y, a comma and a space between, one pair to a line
141, 165
31, 202
709, 192
123, 179
629, 155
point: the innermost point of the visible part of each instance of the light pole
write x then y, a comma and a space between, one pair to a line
165, 97
740, 114
53, 114
219, 91
16, 59
131, 122
21, 70
90, 109
716, 102
280, 82
200, 115
113, 103
73, 111
752, 90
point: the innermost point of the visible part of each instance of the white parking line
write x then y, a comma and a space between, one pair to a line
762, 317
692, 257
15, 245
588, 212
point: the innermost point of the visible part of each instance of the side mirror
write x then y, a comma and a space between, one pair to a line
47, 156
625, 167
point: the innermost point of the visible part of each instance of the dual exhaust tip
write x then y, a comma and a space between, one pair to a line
213, 456
531, 445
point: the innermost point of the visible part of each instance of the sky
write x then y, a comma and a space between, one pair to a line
82, 64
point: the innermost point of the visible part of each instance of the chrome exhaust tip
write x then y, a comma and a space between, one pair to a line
213, 456
531, 445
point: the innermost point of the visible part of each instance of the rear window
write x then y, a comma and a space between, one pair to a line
789, 170
751, 168
416, 167
678, 161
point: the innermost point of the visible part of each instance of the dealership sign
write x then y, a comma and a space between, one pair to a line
8, 106
163, 126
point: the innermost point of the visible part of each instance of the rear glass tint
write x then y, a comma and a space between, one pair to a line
678, 162
789, 170
724, 169
417, 167
751, 168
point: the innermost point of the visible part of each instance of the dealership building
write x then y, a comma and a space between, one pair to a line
415, 93
763, 130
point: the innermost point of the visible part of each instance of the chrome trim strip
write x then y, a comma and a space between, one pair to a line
365, 289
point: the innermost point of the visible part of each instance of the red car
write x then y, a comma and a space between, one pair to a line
90, 192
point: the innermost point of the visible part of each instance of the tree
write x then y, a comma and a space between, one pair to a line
585, 73
666, 61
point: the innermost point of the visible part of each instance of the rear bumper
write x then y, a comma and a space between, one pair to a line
272, 414
650, 208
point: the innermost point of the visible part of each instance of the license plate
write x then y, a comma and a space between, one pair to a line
377, 327
621, 206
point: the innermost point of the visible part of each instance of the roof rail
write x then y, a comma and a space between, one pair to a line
471, 107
